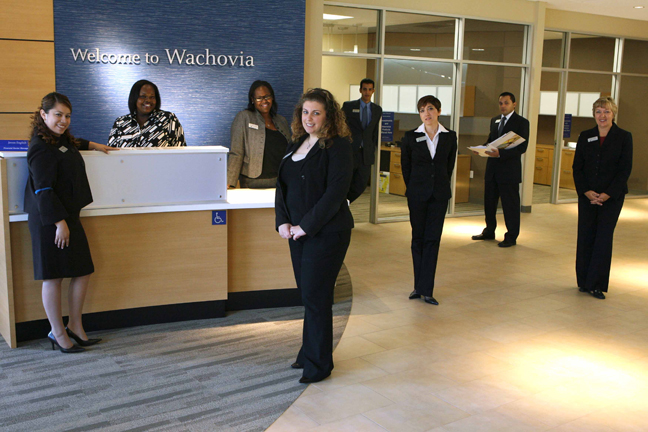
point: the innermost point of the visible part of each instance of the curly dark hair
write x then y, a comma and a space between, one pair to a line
335, 122
38, 126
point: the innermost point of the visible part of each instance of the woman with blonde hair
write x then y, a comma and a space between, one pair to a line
312, 213
602, 166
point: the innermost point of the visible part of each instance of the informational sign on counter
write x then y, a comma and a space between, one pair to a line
14, 145
568, 125
387, 128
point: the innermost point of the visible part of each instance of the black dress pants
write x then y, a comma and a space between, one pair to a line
316, 263
361, 175
594, 247
510, 194
427, 219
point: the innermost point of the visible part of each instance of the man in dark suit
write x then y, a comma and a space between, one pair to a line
363, 119
504, 173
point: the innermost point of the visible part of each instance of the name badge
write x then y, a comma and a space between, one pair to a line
419, 139
356, 110
63, 149
253, 126
497, 121
592, 139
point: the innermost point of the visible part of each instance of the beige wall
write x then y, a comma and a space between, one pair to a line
27, 67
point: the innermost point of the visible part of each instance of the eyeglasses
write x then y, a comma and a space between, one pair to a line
263, 98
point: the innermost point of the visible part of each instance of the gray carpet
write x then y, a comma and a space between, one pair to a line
226, 374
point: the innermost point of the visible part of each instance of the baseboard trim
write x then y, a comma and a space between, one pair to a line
129, 318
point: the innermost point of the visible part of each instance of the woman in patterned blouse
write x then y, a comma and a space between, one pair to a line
146, 125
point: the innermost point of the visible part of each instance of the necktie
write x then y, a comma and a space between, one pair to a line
365, 117
501, 126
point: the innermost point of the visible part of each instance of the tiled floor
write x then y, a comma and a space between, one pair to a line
512, 347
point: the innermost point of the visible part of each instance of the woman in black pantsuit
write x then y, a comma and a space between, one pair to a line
313, 214
57, 190
602, 166
428, 156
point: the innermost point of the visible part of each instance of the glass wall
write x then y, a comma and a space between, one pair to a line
419, 35
418, 55
350, 30
482, 85
596, 69
632, 117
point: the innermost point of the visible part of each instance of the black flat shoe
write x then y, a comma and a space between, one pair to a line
506, 243
597, 294
304, 380
581, 289
72, 350
414, 295
83, 343
483, 237
431, 300
297, 366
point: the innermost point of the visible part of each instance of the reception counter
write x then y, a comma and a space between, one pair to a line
168, 240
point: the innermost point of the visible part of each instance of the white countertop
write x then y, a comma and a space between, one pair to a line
236, 199
135, 151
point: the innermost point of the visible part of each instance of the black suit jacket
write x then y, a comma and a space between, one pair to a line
424, 176
57, 173
325, 180
606, 168
367, 137
507, 168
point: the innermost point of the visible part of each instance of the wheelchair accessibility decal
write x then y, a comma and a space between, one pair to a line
219, 217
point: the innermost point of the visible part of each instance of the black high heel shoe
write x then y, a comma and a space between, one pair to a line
81, 342
73, 349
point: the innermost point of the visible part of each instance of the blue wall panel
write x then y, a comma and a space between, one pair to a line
205, 98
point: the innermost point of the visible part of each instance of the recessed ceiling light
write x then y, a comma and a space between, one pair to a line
332, 17
638, 7
415, 49
478, 49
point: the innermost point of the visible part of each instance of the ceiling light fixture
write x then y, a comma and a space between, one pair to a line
415, 49
638, 7
331, 17
478, 49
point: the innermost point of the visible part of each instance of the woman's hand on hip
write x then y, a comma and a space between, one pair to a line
285, 231
62, 237
297, 232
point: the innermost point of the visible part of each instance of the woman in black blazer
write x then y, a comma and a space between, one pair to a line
57, 190
313, 214
602, 166
428, 156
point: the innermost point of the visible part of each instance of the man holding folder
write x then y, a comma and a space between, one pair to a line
504, 173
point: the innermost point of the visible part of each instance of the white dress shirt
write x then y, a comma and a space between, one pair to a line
434, 141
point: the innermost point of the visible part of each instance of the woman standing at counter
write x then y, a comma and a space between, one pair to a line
259, 140
57, 190
428, 158
313, 213
146, 125
602, 166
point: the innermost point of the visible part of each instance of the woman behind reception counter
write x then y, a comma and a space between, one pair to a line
146, 125
259, 137
57, 190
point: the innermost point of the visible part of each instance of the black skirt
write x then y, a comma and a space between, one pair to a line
50, 262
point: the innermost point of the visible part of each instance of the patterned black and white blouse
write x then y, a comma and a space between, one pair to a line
162, 129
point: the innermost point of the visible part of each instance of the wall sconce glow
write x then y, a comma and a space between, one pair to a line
332, 17
478, 49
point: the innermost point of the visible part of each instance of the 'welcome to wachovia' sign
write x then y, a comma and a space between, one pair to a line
206, 58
